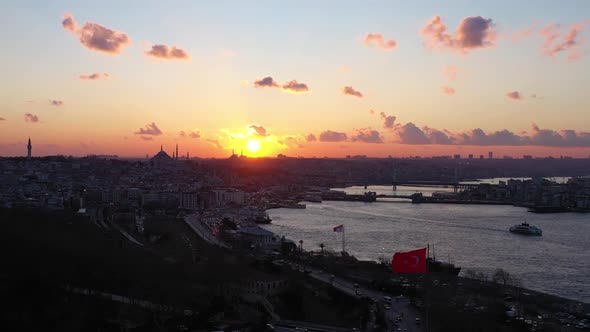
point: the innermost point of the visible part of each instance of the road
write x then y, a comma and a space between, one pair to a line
399, 305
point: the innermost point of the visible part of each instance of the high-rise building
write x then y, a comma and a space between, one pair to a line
490, 155
29, 149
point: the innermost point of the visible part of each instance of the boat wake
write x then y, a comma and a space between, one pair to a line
401, 218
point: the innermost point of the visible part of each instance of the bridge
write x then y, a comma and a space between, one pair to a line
434, 184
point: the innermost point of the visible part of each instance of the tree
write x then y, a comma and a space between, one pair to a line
301, 245
322, 248
502, 276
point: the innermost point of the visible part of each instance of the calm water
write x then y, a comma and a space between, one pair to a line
473, 236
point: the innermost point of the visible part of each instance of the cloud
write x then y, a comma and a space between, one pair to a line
451, 72
32, 118
146, 138
514, 95
56, 103
376, 40
150, 129
2, 119
388, 120
410, 134
165, 52
195, 134
479, 137
447, 90
437, 137
564, 138
472, 33
294, 87
310, 138
372, 112
367, 135
68, 23
267, 82
555, 42
522, 34
291, 142
332, 136
215, 143
95, 76
259, 130
349, 90
97, 37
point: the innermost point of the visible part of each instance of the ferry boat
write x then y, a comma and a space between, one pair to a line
261, 217
526, 229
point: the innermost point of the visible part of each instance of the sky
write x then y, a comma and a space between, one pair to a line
306, 78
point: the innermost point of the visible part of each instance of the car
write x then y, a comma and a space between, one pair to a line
387, 307
359, 293
418, 320
355, 285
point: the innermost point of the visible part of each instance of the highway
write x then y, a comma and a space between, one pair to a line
399, 305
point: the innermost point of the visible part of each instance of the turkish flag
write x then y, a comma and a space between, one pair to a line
409, 262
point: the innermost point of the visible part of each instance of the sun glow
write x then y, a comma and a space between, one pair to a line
253, 145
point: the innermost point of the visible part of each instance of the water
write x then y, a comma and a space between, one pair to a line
473, 236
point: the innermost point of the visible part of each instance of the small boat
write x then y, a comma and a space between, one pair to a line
526, 229
261, 217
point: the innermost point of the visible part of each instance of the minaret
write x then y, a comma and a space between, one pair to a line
187, 156
29, 149
176, 151
161, 147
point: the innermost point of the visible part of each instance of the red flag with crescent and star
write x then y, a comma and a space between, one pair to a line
409, 262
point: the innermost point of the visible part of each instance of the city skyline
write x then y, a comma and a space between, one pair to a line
324, 80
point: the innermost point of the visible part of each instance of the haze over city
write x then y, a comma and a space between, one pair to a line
321, 79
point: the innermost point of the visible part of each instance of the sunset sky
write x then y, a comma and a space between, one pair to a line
304, 78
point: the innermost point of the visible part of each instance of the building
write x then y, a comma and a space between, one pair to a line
161, 159
228, 196
29, 149
470, 156
189, 200
257, 236
490, 155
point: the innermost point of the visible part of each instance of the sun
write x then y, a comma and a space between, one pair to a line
253, 145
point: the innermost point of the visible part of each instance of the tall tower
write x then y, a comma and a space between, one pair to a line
176, 151
29, 149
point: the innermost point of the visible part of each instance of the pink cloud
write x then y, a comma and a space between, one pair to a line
367, 135
514, 95
471, 33
2, 119
388, 120
555, 42
522, 34
56, 103
150, 129
32, 118
377, 40
259, 130
447, 90
68, 23
332, 136
95, 76
295, 87
165, 52
215, 143
97, 37
267, 82
349, 90
310, 138
195, 134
